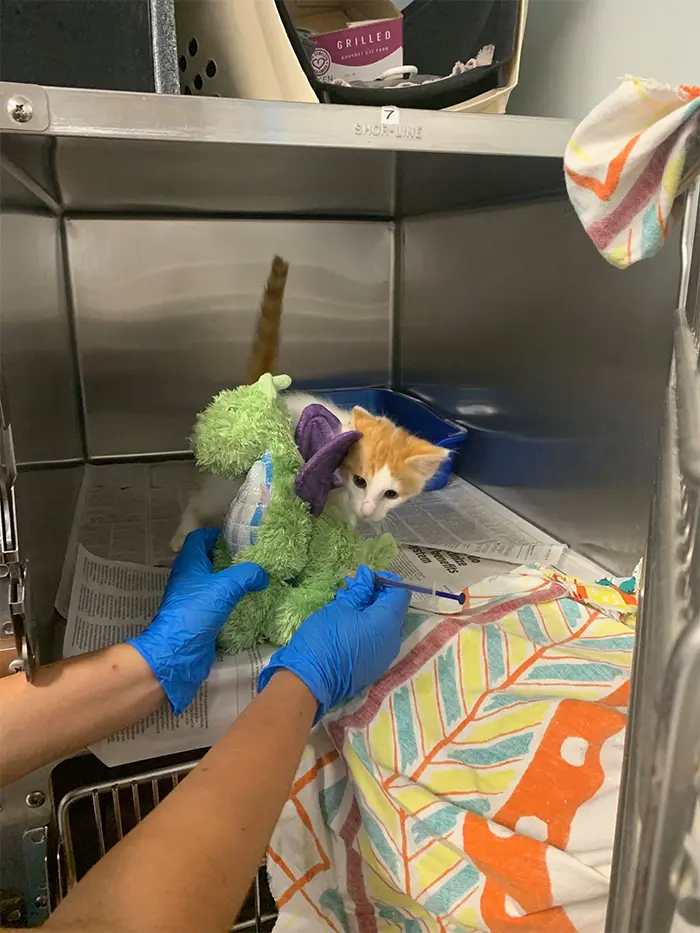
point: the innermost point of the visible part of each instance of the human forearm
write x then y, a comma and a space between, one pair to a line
74, 703
207, 836
70, 704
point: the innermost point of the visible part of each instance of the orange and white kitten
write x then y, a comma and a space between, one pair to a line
387, 466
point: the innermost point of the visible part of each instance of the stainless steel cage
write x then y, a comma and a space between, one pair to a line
654, 876
110, 809
136, 230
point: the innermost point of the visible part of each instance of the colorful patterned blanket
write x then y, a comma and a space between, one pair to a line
628, 161
475, 786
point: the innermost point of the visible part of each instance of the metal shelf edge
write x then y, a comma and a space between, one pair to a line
113, 114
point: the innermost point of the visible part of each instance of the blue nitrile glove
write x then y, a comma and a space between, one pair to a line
179, 644
347, 645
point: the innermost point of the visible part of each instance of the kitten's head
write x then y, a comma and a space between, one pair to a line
386, 466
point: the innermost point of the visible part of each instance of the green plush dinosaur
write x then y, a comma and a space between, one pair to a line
306, 557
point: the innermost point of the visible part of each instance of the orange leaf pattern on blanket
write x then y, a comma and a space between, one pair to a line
474, 787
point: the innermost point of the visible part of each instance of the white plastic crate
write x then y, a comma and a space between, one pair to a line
239, 48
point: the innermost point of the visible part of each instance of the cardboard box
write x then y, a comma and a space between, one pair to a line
360, 53
354, 41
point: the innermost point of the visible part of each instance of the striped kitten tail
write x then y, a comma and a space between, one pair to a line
263, 356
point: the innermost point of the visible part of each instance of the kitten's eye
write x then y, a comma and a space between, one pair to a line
391, 494
359, 481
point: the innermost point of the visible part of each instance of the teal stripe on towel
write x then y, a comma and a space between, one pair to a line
592, 673
447, 681
652, 234
504, 699
403, 715
358, 742
494, 654
330, 799
515, 746
454, 889
413, 621
332, 900
574, 612
379, 840
397, 918
438, 824
532, 626
612, 643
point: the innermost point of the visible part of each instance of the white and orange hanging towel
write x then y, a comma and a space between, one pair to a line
628, 161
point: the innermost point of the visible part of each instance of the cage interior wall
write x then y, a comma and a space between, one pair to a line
132, 271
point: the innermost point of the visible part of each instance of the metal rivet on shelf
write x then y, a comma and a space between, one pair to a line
35, 799
20, 109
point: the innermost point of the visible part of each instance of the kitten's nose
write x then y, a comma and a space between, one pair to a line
367, 508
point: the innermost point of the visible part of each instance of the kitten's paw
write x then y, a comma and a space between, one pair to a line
177, 540
189, 521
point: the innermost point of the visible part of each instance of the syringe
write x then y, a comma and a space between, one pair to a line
416, 588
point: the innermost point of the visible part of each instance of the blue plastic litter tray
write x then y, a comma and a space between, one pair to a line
409, 413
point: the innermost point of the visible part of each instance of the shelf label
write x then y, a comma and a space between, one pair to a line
390, 115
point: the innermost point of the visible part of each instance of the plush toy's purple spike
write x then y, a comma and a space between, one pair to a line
323, 447
317, 425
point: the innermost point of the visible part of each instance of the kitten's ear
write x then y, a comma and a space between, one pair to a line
427, 460
361, 419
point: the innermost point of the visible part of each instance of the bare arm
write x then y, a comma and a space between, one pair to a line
71, 704
189, 865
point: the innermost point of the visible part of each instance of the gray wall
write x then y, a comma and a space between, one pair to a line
576, 51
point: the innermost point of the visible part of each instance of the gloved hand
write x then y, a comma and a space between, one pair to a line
179, 644
347, 645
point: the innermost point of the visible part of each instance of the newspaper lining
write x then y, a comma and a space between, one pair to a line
462, 519
127, 512
118, 560
446, 570
112, 601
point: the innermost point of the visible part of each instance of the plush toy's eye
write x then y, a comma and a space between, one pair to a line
391, 494
359, 481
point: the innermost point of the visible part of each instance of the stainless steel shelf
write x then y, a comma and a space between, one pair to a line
70, 112
109, 152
